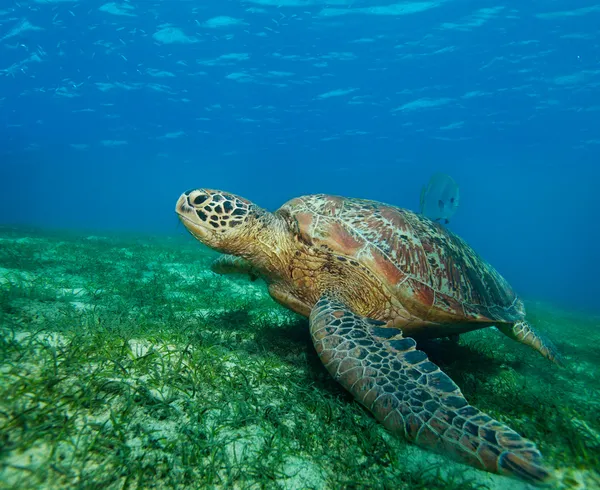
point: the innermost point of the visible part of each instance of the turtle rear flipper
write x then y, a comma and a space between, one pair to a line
523, 332
411, 396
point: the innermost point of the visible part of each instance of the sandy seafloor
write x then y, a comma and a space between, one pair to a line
126, 363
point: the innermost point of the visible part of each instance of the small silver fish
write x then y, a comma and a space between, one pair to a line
439, 198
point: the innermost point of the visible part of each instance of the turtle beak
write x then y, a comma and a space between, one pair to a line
182, 207
188, 216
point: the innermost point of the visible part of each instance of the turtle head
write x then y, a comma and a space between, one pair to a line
222, 221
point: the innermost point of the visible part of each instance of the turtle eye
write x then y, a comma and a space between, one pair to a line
200, 199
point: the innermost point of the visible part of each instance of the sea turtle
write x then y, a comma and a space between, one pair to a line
370, 276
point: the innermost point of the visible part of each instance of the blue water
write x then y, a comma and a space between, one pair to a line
108, 111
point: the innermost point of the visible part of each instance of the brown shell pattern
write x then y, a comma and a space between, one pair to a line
425, 262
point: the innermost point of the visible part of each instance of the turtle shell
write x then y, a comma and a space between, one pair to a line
436, 275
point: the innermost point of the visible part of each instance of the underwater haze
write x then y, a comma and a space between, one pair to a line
111, 109
130, 358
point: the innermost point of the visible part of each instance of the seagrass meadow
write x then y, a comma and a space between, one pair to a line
126, 363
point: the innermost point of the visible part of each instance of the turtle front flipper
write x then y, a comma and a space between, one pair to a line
523, 332
411, 396
230, 264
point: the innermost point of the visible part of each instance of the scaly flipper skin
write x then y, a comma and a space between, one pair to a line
230, 264
411, 396
523, 332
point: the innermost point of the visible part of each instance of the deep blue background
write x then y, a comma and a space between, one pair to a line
525, 153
